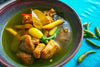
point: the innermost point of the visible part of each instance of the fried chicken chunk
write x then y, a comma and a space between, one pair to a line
26, 58
50, 20
38, 49
35, 41
26, 44
50, 13
49, 50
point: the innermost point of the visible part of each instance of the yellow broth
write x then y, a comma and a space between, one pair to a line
65, 41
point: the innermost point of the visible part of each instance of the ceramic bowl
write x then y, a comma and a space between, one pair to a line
63, 9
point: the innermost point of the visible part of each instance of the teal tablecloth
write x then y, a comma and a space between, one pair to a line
2, 1
88, 11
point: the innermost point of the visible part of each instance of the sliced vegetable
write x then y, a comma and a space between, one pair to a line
35, 33
55, 33
26, 26
81, 57
38, 34
92, 43
13, 32
97, 32
19, 26
51, 32
27, 15
36, 21
41, 16
52, 25
45, 40
88, 33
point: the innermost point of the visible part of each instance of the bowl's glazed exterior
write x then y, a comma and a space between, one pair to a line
12, 8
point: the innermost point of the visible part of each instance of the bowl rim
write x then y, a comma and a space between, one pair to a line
4, 63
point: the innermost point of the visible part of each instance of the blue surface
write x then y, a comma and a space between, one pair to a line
88, 11
1, 1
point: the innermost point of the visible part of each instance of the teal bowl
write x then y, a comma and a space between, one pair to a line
11, 9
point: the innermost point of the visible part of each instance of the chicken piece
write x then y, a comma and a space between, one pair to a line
27, 20
49, 50
50, 20
46, 32
26, 58
26, 44
38, 49
35, 41
26, 32
50, 13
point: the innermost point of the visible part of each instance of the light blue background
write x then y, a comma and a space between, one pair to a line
88, 11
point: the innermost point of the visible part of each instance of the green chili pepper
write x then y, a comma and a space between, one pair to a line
81, 57
41, 30
88, 33
89, 41
85, 35
87, 27
93, 37
97, 32
53, 36
85, 24
45, 40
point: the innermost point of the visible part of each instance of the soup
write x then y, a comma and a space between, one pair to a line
31, 43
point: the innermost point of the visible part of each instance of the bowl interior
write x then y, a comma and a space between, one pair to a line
62, 10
